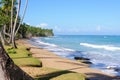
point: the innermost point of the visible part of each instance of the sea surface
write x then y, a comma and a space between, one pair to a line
102, 50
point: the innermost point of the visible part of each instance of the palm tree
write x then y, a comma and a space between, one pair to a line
26, 4
14, 26
6, 9
14, 32
9, 6
6, 6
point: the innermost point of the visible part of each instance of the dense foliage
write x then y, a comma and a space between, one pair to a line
27, 31
3, 18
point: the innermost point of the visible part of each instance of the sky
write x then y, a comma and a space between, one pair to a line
75, 17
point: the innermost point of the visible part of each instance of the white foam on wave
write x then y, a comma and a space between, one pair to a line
67, 49
106, 47
47, 44
54, 47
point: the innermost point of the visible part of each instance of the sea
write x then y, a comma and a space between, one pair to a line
102, 50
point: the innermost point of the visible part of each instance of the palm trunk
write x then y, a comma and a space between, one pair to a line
22, 16
5, 34
13, 42
8, 70
14, 27
2, 39
10, 40
11, 26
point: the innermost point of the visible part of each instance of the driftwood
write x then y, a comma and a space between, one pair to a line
8, 70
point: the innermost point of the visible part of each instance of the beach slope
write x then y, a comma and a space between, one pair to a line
49, 59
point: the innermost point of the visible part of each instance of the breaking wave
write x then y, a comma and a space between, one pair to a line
105, 47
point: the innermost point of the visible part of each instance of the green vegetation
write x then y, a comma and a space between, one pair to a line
11, 26
3, 18
22, 57
27, 31
45, 73
10, 20
27, 62
60, 75
11, 51
21, 52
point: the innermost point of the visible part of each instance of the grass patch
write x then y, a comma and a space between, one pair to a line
22, 57
20, 52
53, 74
61, 75
27, 62
11, 51
69, 76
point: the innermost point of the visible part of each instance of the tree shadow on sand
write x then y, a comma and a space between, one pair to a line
92, 76
52, 75
96, 76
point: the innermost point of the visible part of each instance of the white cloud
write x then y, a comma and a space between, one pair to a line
64, 30
98, 28
28, 23
58, 29
42, 25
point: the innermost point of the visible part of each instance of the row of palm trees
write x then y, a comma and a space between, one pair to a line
11, 21
9, 25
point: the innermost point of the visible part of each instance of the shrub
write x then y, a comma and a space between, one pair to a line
11, 51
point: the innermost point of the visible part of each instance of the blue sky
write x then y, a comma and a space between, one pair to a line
82, 17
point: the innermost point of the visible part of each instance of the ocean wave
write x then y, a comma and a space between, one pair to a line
100, 60
106, 47
67, 49
53, 46
43, 43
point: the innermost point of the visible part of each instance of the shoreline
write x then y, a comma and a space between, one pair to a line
49, 59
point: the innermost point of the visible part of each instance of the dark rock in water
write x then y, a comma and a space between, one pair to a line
117, 69
86, 62
81, 58
114, 68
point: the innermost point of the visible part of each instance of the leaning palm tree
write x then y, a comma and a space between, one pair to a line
15, 28
6, 6
11, 26
26, 4
9, 6
5, 9
8, 70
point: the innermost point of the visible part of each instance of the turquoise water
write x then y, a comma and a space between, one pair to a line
103, 50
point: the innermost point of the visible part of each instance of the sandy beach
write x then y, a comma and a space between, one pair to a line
49, 59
